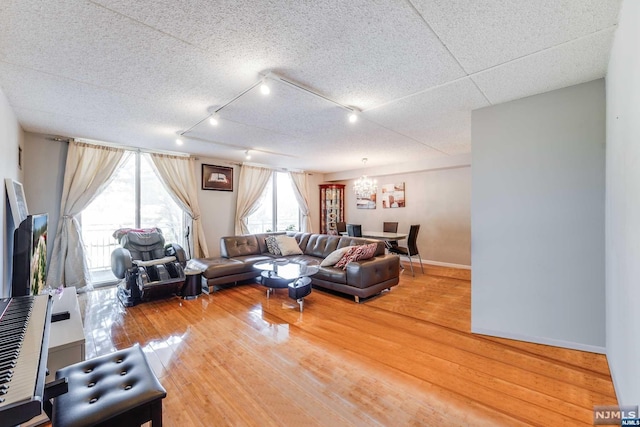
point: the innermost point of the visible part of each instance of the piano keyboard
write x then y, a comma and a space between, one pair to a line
24, 331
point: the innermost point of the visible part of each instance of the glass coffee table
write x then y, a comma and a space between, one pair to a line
282, 273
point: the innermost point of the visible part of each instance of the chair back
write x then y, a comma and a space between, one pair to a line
412, 240
143, 244
341, 227
390, 227
354, 230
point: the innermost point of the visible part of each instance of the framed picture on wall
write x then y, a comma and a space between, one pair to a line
393, 195
17, 201
217, 178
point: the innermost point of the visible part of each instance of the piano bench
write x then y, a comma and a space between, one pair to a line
118, 389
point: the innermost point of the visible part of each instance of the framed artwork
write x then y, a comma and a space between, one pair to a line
393, 196
17, 201
217, 178
366, 203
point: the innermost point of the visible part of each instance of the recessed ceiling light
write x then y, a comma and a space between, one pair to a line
264, 88
213, 120
353, 117
247, 155
179, 141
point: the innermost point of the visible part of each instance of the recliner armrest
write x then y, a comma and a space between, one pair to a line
173, 249
158, 261
121, 262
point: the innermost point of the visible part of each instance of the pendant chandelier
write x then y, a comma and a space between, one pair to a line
364, 186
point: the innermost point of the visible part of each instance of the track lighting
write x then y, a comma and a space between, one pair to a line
264, 82
247, 155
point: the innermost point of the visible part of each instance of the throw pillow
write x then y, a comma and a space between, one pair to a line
334, 257
288, 245
356, 254
272, 245
346, 258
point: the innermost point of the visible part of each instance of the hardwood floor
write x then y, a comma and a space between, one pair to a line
406, 358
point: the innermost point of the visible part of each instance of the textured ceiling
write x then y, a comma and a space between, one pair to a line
137, 73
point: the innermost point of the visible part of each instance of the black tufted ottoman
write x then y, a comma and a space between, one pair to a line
118, 389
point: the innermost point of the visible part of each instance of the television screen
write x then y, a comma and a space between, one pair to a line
30, 256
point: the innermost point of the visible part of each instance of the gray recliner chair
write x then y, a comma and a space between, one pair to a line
147, 265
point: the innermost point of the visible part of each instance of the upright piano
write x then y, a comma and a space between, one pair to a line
24, 342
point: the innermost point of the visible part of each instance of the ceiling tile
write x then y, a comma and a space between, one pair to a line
482, 34
439, 117
572, 63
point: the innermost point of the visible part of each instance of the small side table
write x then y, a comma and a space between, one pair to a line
192, 287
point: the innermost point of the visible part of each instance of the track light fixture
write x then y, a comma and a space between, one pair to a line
264, 83
264, 88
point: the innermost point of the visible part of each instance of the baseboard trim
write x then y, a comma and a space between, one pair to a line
438, 263
540, 340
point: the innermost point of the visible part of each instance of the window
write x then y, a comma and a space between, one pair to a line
278, 209
135, 198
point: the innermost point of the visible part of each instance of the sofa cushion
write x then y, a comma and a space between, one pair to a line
330, 274
234, 246
288, 246
321, 245
217, 267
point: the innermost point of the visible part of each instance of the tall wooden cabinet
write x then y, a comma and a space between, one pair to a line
331, 207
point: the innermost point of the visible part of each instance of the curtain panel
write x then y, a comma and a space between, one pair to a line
179, 177
301, 191
253, 180
89, 169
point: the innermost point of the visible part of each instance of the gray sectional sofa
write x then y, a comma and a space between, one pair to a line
360, 279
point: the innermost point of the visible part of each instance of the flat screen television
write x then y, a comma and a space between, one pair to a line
30, 256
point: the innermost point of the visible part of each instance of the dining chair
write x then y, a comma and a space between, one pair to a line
390, 227
354, 230
341, 227
411, 249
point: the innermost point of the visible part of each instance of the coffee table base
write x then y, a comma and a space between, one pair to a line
298, 289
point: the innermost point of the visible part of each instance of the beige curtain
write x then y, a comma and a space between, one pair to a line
88, 170
179, 177
251, 185
299, 181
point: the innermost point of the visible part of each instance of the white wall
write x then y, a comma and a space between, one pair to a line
219, 207
537, 203
623, 207
11, 137
439, 200
44, 161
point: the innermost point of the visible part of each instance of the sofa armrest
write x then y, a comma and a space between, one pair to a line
365, 273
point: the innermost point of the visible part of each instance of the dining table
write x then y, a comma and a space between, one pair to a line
381, 235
